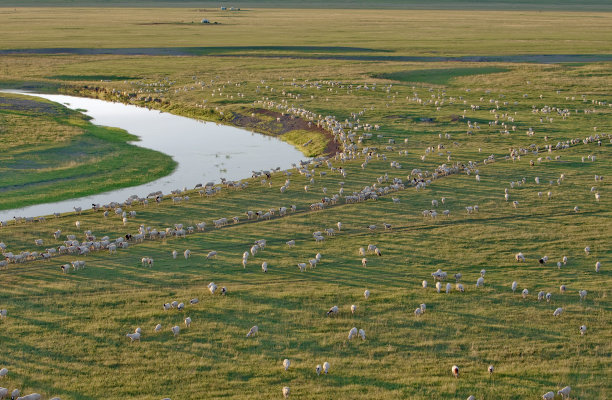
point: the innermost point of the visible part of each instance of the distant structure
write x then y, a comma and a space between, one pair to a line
205, 21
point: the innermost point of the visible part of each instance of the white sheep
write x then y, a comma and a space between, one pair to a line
514, 286
548, 396
194, 301
138, 330
565, 392
480, 282
180, 306
562, 288
15, 394
460, 287
158, 328
286, 363
423, 306
318, 369
31, 396
286, 392
424, 284
597, 266
490, 369
564, 260
483, 272
252, 331
174, 254
175, 330
418, 312
211, 255
3, 392
264, 266
333, 310
3, 372
519, 257
438, 286
188, 322
558, 312
455, 371
449, 287
541, 295
353, 308
525, 293
362, 334
187, 254
548, 297
583, 329
587, 250
364, 262
362, 251
133, 336
212, 287
325, 367
291, 243
3, 313
352, 333
583, 294
366, 294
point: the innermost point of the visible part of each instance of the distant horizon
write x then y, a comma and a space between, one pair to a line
518, 5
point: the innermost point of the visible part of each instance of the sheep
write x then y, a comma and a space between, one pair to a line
423, 307
548, 297
490, 369
353, 308
286, 392
583, 294
543, 260
333, 310
223, 291
448, 288
457, 277
133, 336
471, 397
302, 267
515, 204
176, 330
597, 266
364, 262
455, 371
318, 369
187, 254
188, 322
212, 287
31, 396
3, 313
525, 293
3, 372
158, 328
194, 301
438, 286
548, 396
252, 331
174, 254
587, 250
460, 287
519, 257
366, 294
362, 334
514, 286
482, 272
480, 282
3, 392
424, 284
558, 312
211, 255
362, 251
339, 224
352, 333
418, 312
180, 306
325, 367
286, 363
564, 260
291, 243
540, 295
562, 288
174, 304
167, 306
138, 330
565, 392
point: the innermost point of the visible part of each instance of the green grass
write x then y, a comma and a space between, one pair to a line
52, 153
64, 334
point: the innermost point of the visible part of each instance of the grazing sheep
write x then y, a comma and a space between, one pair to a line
525, 293
558, 312
548, 396
418, 312
514, 286
424, 284
471, 397
597, 266
188, 322
194, 301
455, 371
187, 254
286, 392
543, 260
490, 369
352, 333
540, 295
264, 266
482, 272
362, 251
223, 291
548, 297
318, 369
15, 394
457, 277
587, 250
333, 310
167, 306
212, 287
174, 254
3, 372
460, 287
252, 331
3, 313
133, 336
175, 330
180, 306
325, 367
438, 286
211, 255
583, 294
565, 392
31, 396
480, 282
362, 334
158, 328
449, 287
3, 392
423, 307
286, 363
366, 294
364, 262
353, 308
302, 266
291, 243
519, 257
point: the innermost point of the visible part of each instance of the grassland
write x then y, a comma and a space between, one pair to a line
64, 334
51, 153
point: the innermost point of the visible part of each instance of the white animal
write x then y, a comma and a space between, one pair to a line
548, 396
187, 254
211, 255
449, 287
519, 257
31, 396
438, 286
133, 336
490, 369
455, 371
583, 329
424, 284
565, 392
362, 334
318, 369
176, 330
264, 266
364, 262
587, 250
418, 312
286, 363
558, 312
325, 367
188, 322
562, 288
597, 266
286, 392
352, 333
252, 331
366, 294
333, 310
583, 294
525, 293
514, 286
174, 254
353, 308
3, 372
3, 313
158, 328
480, 282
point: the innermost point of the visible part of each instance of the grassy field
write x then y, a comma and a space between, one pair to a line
51, 153
64, 334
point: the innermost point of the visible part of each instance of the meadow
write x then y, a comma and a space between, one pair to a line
64, 334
